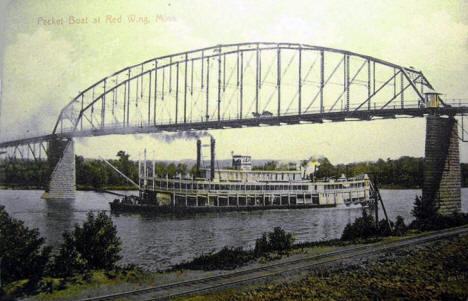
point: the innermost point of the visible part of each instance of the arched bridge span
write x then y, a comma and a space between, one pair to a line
245, 84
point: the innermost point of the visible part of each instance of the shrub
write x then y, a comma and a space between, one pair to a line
22, 250
400, 227
278, 240
424, 209
94, 245
427, 217
439, 222
68, 261
363, 227
227, 259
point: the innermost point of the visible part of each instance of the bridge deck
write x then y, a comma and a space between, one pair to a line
247, 122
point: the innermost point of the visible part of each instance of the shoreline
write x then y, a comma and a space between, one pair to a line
142, 280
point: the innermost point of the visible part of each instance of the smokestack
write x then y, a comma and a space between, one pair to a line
212, 167
198, 157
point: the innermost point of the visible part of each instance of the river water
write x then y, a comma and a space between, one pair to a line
157, 242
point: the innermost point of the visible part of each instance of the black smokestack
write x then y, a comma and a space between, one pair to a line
198, 158
212, 167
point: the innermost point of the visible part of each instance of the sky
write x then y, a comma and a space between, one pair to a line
45, 64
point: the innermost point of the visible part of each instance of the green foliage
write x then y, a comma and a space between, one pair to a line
225, 259
439, 222
230, 258
400, 227
24, 172
97, 242
23, 253
405, 172
424, 209
68, 261
362, 227
26, 266
432, 272
427, 217
278, 240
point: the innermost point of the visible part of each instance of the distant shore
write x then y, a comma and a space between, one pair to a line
78, 187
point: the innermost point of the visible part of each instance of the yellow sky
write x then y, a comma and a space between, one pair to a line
46, 64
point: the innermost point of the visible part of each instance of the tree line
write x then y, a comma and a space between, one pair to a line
405, 172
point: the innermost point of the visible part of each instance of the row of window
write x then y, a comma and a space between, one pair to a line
260, 176
340, 186
240, 187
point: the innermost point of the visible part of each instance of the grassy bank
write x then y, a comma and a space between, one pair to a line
435, 271
73, 287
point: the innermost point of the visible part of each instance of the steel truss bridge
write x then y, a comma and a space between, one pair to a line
240, 85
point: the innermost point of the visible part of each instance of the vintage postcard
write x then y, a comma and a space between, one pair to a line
233, 150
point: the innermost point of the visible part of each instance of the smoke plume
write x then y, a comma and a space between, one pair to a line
169, 138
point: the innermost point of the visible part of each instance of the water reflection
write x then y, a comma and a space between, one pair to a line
59, 215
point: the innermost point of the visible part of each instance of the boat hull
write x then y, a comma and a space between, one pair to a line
153, 209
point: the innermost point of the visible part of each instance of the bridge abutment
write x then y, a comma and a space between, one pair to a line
442, 176
62, 179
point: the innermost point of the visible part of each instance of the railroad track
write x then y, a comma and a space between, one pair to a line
203, 285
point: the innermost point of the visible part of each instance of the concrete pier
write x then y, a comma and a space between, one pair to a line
442, 176
62, 180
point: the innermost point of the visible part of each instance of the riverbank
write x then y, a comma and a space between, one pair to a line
432, 271
330, 279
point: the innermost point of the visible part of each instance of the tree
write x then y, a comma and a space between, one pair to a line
270, 165
278, 240
424, 209
124, 162
98, 175
181, 169
23, 253
68, 261
97, 242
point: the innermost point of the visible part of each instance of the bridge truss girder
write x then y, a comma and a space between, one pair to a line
238, 82
25, 150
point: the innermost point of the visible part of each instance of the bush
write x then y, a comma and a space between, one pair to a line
363, 227
68, 261
226, 259
427, 217
439, 222
22, 250
424, 209
92, 246
278, 240
230, 258
400, 227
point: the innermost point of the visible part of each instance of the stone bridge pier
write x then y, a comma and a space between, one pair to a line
442, 175
62, 178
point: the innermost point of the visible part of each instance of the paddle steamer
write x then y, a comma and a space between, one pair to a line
240, 187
